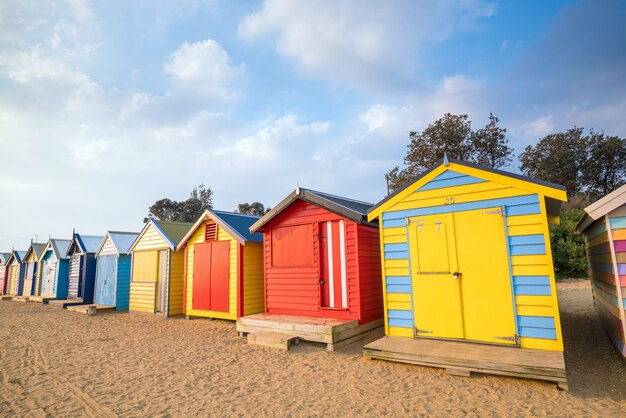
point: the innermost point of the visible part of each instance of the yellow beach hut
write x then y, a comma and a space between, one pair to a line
15, 275
466, 257
157, 268
224, 266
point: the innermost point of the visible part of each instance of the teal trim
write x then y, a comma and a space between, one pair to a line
527, 239
440, 183
395, 288
398, 314
528, 209
402, 280
536, 322
530, 332
398, 255
528, 249
396, 247
618, 223
402, 323
532, 280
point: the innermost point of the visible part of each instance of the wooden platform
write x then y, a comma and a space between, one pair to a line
41, 299
64, 303
84, 308
276, 340
6, 297
332, 332
20, 298
460, 358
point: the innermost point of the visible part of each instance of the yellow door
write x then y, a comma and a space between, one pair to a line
12, 286
460, 275
436, 293
487, 297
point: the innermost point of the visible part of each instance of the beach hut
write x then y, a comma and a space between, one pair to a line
224, 266
113, 262
158, 269
466, 258
30, 269
4, 271
82, 270
15, 275
53, 271
321, 269
604, 228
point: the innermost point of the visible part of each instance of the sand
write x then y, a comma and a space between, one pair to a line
55, 362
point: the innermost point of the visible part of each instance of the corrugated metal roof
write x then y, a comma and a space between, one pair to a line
241, 223
89, 243
60, 246
123, 240
35, 247
175, 231
354, 205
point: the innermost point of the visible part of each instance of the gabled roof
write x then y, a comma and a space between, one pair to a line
87, 243
4, 257
601, 207
237, 225
17, 255
172, 232
35, 247
58, 246
355, 210
555, 193
121, 241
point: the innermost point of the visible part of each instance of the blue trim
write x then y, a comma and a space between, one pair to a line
459, 180
400, 215
532, 280
618, 223
402, 280
397, 247
536, 321
529, 290
527, 240
528, 249
403, 323
448, 174
399, 314
527, 209
400, 255
530, 332
396, 288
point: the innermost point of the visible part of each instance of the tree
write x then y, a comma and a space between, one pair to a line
254, 208
604, 170
490, 145
451, 135
558, 158
568, 247
200, 199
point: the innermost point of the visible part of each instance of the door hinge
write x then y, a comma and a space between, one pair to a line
514, 338
493, 212
416, 331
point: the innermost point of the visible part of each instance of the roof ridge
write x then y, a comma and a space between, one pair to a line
334, 195
234, 213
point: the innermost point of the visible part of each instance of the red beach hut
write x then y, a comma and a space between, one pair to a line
321, 269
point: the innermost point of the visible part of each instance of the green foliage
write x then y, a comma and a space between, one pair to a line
568, 248
254, 208
604, 170
451, 135
200, 199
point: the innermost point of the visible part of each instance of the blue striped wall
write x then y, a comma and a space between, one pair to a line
62, 278
122, 295
532, 327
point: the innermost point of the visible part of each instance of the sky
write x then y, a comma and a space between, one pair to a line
108, 106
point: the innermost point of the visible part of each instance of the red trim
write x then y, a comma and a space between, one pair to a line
239, 280
185, 281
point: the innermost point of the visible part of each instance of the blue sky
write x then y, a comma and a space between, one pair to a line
108, 106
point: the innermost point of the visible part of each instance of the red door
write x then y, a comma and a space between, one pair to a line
211, 276
333, 265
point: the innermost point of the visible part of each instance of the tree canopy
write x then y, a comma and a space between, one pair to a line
451, 135
254, 208
189, 210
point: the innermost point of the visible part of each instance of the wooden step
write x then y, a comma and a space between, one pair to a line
6, 297
22, 299
85, 308
276, 340
41, 299
64, 303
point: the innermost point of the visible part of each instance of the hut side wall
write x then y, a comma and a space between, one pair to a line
449, 191
122, 291
609, 284
369, 273
62, 279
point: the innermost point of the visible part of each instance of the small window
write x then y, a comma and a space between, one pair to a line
210, 231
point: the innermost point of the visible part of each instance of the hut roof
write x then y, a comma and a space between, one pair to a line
4, 257
555, 193
237, 225
171, 231
17, 255
36, 248
601, 207
352, 209
121, 241
87, 243
59, 248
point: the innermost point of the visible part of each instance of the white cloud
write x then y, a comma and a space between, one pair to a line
531, 132
367, 44
203, 69
87, 156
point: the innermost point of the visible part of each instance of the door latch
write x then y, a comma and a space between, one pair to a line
322, 281
456, 275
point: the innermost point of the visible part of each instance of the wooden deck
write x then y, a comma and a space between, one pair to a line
332, 332
41, 299
85, 308
460, 358
6, 297
64, 303
20, 298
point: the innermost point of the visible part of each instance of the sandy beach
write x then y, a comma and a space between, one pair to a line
55, 362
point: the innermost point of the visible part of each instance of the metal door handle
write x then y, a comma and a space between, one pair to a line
321, 281
456, 275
